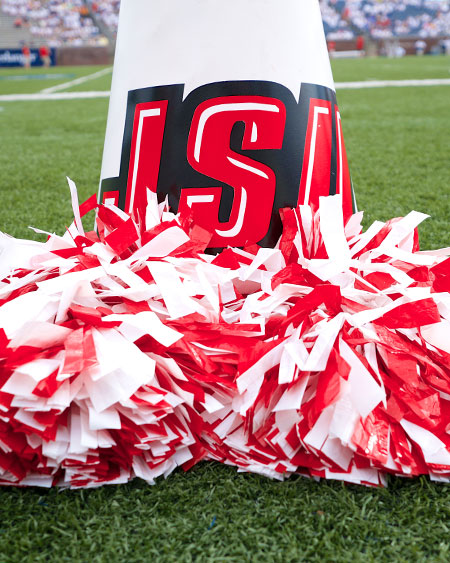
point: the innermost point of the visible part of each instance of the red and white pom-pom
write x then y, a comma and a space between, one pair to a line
131, 352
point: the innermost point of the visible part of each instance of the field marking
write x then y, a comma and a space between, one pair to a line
44, 95
394, 83
22, 77
77, 81
52, 97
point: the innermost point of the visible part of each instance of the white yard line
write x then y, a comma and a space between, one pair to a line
58, 96
45, 95
77, 81
394, 83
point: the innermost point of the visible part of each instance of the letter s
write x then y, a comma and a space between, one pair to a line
254, 184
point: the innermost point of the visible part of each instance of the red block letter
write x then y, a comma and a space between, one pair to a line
145, 154
315, 180
254, 183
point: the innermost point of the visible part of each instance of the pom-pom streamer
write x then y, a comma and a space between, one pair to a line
130, 351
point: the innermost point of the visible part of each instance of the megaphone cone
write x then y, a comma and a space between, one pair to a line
229, 109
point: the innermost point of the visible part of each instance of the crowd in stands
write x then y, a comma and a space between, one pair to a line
73, 22
383, 19
107, 11
336, 27
55, 22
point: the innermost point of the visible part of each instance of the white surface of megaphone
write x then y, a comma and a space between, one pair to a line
226, 107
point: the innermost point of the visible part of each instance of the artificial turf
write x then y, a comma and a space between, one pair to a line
214, 514
36, 79
398, 144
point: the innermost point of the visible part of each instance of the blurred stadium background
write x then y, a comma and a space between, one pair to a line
84, 31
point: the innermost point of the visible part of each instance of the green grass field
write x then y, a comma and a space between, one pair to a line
398, 144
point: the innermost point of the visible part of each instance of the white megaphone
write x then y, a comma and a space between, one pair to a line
229, 109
